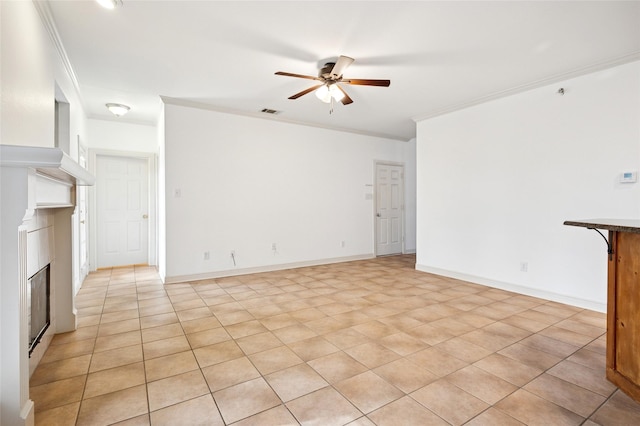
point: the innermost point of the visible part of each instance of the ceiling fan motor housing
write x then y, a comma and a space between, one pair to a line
325, 72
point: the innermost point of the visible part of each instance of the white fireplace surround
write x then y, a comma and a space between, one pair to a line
37, 208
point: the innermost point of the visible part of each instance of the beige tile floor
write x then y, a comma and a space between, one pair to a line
360, 343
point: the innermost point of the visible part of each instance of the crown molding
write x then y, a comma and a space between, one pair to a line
46, 15
201, 105
599, 66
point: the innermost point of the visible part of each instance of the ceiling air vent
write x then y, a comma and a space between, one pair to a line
270, 111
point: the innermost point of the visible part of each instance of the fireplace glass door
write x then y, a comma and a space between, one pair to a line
38, 306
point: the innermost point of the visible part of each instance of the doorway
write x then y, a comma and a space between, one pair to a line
389, 209
122, 210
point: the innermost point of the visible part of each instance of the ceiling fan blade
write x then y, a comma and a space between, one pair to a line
288, 74
365, 82
304, 92
340, 66
347, 99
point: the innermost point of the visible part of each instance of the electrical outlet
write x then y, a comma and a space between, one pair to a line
206, 255
274, 247
342, 244
524, 266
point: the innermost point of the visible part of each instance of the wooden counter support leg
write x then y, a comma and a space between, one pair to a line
623, 316
611, 308
623, 300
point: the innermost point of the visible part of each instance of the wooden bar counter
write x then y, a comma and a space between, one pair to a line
623, 301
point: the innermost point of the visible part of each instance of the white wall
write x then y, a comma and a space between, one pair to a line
496, 182
410, 197
246, 183
161, 211
31, 67
121, 136
30, 70
27, 84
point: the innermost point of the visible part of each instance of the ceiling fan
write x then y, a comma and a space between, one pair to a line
329, 77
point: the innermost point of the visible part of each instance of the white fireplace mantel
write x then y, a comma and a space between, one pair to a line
52, 162
31, 179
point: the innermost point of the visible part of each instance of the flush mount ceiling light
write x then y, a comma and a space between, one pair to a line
109, 4
118, 109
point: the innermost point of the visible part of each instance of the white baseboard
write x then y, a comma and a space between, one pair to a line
265, 268
528, 291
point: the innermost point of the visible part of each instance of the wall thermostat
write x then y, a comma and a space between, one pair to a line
629, 177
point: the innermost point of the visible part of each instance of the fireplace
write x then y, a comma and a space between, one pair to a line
38, 306
37, 241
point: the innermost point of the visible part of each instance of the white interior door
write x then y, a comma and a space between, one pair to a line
389, 209
122, 200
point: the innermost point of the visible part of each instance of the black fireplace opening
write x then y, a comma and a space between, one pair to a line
38, 308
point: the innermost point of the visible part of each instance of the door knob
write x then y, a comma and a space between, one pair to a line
378, 214
145, 216
82, 222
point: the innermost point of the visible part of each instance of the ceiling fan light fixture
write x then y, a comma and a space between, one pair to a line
118, 109
109, 4
324, 94
336, 93
328, 91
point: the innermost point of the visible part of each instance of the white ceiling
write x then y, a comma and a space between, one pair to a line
439, 56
